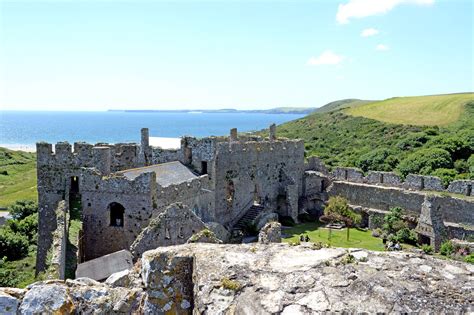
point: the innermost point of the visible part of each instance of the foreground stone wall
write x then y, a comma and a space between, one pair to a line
260, 279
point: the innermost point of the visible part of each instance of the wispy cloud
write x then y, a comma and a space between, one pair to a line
369, 32
364, 8
326, 58
382, 47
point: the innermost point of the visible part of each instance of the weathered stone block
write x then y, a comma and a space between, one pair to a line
463, 187
413, 182
101, 268
432, 183
270, 233
47, 298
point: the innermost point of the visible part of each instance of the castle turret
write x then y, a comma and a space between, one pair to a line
145, 154
44, 151
233, 135
272, 132
102, 159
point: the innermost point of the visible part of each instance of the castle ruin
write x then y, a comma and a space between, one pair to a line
124, 191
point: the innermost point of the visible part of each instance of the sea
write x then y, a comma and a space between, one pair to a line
20, 130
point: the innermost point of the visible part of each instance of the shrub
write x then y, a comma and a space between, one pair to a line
412, 141
393, 221
27, 227
377, 232
470, 162
469, 258
427, 249
13, 246
377, 160
457, 145
447, 248
406, 235
425, 161
23, 208
461, 166
446, 175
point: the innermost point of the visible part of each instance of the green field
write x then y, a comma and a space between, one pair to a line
433, 110
17, 176
358, 238
340, 139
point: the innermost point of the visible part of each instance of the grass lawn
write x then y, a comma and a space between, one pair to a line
316, 233
17, 176
434, 110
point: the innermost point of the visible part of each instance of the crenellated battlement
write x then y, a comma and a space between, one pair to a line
411, 181
105, 156
280, 146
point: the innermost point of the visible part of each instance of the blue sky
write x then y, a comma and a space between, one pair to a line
96, 55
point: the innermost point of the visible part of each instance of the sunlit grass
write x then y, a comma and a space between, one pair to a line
358, 238
434, 110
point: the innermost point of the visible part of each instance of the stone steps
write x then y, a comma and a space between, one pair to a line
248, 217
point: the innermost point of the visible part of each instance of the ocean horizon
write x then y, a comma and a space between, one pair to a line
21, 130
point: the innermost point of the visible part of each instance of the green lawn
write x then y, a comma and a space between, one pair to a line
433, 110
316, 233
17, 176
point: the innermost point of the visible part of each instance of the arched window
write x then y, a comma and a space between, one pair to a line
116, 214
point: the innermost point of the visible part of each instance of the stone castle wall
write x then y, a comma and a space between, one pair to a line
411, 182
456, 210
101, 236
195, 194
261, 171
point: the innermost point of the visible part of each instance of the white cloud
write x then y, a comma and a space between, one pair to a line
364, 8
369, 32
326, 58
382, 47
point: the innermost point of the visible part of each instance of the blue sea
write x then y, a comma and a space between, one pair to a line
21, 130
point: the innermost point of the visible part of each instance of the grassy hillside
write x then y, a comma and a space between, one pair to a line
433, 110
346, 140
17, 176
350, 102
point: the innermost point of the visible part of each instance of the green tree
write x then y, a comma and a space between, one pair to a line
27, 227
425, 161
393, 221
338, 210
23, 208
13, 246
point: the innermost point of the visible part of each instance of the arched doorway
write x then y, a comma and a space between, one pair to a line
116, 211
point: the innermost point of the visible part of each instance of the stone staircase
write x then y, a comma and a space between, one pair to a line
248, 217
